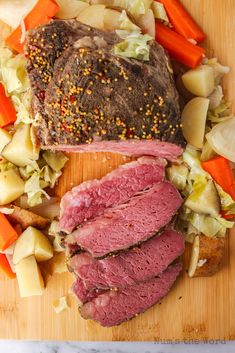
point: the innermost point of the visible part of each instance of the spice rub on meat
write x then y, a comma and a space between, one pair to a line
84, 94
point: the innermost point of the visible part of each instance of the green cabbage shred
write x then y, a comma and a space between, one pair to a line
40, 175
135, 45
16, 82
192, 223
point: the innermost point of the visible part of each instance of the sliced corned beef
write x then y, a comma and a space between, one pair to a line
91, 198
135, 148
114, 307
128, 224
83, 294
127, 268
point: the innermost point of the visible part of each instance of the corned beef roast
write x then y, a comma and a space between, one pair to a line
114, 307
87, 99
127, 268
128, 224
91, 198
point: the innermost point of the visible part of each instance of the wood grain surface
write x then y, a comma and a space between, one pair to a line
196, 309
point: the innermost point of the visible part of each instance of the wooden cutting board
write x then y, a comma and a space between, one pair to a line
196, 309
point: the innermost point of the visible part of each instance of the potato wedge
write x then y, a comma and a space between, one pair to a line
111, 19
5, 138
193, 120
32, 242
207, 256
70, 8
200, 81
29, 277
11, 186
21, 151
26, 218
93, 16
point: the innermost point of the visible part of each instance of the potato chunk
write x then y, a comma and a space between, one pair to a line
111, 19
193, 120
70, 8
200, 81
206, 257
11, 186
5, 138
32, 242
29, 277
93, 16
21, 150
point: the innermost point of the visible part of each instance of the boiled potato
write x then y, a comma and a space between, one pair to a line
21, 150
29, 277
70, 8
200, 81
11, 186
5, 138
207, 256
111, 19
193, 120
32, 242
93, 16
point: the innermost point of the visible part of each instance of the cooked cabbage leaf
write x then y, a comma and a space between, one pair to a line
138, 7
177, 174
197, 180
16, 82
227, 203
39, 175
216, 97
13, 71
5, 165
207, 225
220, 113
126, 24
56, 160
135, 45
22, 105
159, 11
34, 190
219, 70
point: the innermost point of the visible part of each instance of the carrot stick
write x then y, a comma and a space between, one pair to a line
8, 234
227, 216
221, 171
42, 13
7, 110
182, 21
5, 266
178, 47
